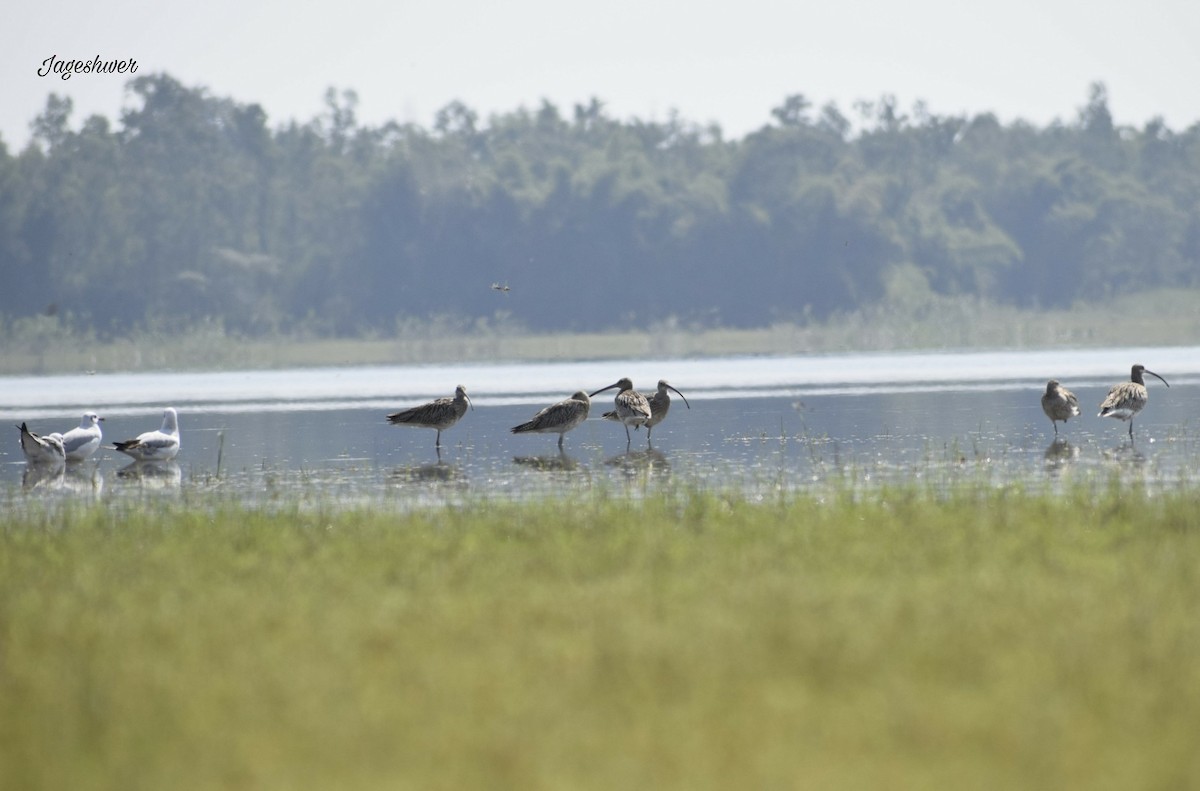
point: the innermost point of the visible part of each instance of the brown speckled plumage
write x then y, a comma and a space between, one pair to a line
558, 418
1059, 403
1126, 399
633, 408
439, 414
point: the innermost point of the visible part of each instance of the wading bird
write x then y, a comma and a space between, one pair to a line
1126, 399
440, 414
160, 445
42, 451
660, 404
633, 408
81, 442
558, 418
1059, 403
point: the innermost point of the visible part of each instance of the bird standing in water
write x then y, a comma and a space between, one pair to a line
558, 418
42, 451
1059, 403
439, 414
1126, 399
660, 404
82, 441
633, 408
161, 445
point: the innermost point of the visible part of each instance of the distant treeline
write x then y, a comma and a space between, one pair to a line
194, 209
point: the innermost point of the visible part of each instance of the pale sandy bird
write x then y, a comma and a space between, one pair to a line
1126, 399
440, 414
1059, 403
44, 451
660, 404
558, 418
83, 440
160, 445
633, 408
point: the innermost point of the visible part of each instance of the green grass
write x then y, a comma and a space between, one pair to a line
982, 639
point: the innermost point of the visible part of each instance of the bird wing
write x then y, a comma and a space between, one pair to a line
78, 437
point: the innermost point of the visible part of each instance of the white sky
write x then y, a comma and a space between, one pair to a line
728, 62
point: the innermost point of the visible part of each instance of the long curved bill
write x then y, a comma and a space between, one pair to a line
1156, 376
602, 389
681, 395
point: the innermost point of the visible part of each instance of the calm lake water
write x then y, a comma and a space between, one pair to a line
756, 424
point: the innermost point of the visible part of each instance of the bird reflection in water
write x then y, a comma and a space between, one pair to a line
84, 479
43, 476
648, 462
152, 474
1125, 453
560, 463
1059, 455
433, 473
1060, 450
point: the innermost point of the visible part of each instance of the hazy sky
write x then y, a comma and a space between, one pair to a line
727, 62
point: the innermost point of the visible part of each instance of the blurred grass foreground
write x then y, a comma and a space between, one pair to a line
982, 639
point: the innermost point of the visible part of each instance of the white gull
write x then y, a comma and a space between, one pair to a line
161, 445
81, 442
47, 450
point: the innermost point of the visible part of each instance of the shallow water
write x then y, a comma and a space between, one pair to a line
756, 424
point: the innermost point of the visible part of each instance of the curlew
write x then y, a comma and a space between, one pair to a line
1126, 399
440, 414
660, 404
558, 418
633, 409
81, 442
1059, 403
42, 451
160, 445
